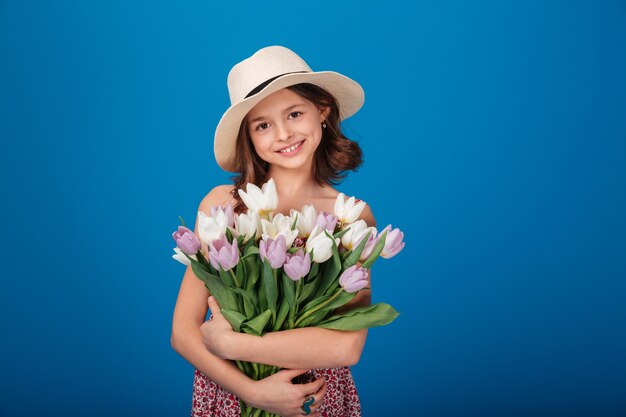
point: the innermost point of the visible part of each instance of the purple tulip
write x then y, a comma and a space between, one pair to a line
297, 265
393, 242
372, 240
228, 212
223, 254
186, 240
326, 221
353, 279
275, 251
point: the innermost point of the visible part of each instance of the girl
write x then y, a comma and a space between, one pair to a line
283, 123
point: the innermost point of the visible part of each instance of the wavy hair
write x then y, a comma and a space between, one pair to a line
335, 155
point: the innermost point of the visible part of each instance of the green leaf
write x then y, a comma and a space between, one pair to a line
256, 326
249, 303
295, 222
353, 258
314, 318
340, 300
378, 248
229, 235
314, 302
262, 297
379, 314
271, 287
323, 304
182, 221
253, 269
235, 318
226, 278
289, 290
315, 269
340, 233
283, 311
329, 272
216, 287
250, 249
240, 273
307, 292
205, 272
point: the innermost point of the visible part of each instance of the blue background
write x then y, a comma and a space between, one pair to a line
494, 136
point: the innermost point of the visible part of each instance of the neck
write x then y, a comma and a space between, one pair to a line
291, 182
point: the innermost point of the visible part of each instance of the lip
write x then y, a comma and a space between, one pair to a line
294, 152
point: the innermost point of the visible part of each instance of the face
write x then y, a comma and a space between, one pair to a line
285, 129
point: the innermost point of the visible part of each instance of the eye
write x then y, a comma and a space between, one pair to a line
261, 126
294, 114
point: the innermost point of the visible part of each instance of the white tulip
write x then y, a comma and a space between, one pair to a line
280, 225
212, 227
248, 225
356, 232
347, 211
180, 257
262, 200
306, 219
320, 244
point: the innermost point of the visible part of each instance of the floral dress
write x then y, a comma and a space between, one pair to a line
341, 399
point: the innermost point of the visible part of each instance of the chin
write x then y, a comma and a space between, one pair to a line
292, 163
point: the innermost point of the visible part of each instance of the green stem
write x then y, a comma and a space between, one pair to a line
319, 307
232, 272
298, 293
255, 368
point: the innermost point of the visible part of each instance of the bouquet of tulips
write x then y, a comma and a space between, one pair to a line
272, 272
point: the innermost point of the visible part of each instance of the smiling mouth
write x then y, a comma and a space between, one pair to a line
291, 148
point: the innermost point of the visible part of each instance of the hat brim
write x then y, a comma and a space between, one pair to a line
348, 93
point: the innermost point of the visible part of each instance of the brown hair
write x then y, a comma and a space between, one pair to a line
335, 155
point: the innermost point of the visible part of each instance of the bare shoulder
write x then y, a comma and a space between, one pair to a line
368, 216
218, 196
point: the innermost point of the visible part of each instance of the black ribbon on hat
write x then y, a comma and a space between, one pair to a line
264, 84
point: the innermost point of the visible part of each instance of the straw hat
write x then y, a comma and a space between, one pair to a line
267, 71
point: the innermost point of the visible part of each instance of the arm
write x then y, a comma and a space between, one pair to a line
304, 348
189, 314
309, 347
186, 339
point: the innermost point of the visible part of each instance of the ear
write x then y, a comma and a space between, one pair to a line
324, 113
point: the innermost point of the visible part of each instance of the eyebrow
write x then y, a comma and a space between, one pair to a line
284, 111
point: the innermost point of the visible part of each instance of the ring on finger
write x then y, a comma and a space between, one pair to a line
306, 405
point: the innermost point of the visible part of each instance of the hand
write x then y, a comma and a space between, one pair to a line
217, 332
278, 395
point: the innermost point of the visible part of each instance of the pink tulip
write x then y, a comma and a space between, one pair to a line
274, 251
186, 240
326, 221
297, 265
223, 254
372, 240
393, 242
353, 279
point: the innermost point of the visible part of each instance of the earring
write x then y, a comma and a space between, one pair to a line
324, 125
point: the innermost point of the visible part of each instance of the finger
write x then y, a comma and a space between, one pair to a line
319, 397
215, 308
289, 374
312, 387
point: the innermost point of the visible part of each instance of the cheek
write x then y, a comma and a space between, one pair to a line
260, 144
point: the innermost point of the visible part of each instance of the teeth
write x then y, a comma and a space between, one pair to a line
291, 149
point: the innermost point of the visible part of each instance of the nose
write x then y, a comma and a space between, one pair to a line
283, 131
